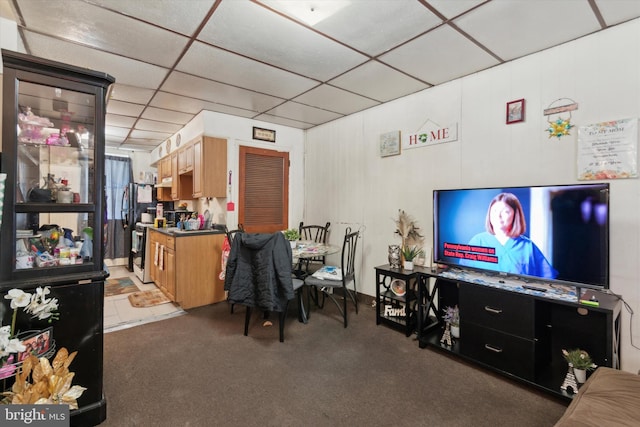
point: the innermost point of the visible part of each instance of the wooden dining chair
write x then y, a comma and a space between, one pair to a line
328, 286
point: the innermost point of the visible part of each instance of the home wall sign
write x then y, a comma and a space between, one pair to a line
431, 133
264, 134
560, 125
608, 150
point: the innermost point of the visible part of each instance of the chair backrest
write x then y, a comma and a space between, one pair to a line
317, 233
349, 254
231, 234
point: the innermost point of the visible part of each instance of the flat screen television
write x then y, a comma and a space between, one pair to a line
556, 233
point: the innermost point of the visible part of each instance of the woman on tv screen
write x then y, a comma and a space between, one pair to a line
503, 246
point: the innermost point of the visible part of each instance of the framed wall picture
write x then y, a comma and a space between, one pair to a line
390, 144
515, 111
264, 134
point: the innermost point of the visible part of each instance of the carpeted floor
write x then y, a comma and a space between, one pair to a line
200, 370
119, 286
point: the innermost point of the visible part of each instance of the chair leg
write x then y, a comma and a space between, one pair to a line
247, 317
282, 316
344, 306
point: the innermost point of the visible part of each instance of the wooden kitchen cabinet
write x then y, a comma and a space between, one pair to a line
189, 272
209, 167
185, 159
175, 181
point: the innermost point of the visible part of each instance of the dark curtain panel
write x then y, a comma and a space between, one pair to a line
118, 175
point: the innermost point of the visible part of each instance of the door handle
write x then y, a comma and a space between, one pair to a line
492, 348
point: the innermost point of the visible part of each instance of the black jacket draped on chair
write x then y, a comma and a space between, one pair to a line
259, 271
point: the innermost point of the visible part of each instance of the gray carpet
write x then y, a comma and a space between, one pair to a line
200, 370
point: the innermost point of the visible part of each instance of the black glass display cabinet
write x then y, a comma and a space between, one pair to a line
53, 215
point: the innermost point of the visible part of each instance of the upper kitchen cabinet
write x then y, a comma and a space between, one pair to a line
53, 155
209, 167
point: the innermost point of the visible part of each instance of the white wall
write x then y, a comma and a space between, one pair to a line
347, 183
238, 131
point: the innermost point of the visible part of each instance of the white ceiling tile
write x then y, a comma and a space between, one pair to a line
126, 71
149, 135
303, 113
512, 29
196, 87
246, 27
107, 31
378, 81
170, 101
439, 56
617, 11
160, 114
451, 9
171, 14
116, 133
120, 121
134, 94
157, 126
332, 98
225, 67
366, 26
124, 108
284, 122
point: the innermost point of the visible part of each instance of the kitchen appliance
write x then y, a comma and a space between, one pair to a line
137, 198
173, 217
140, 251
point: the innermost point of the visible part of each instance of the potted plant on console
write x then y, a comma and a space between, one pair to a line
410, 253
292, 235
581, 363
452, 317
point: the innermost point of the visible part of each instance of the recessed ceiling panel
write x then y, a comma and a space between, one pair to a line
174, 15
126, 71
106, 30
303, 113
160, 114
124, 108
134, 94
617, 11
439, 56
156, 126
225, 67
196, 87
513, 29
335, 99
284, 122
371, 27
253, 31
149, 135
378, 81
451, 9
121, 121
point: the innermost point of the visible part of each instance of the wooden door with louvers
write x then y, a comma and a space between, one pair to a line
263, 199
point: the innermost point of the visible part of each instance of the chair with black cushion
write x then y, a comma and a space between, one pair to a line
315, 233
231, 234
328, 286
259, 275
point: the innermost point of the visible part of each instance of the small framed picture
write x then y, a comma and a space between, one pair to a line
515, 111
37, 344
264, 134
390, 144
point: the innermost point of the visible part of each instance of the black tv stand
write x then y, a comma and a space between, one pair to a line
517, 331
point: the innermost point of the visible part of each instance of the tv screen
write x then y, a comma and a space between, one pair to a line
555, 233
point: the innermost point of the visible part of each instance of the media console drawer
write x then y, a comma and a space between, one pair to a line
503, 311
502, 351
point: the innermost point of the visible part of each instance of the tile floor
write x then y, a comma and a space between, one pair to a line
120, 314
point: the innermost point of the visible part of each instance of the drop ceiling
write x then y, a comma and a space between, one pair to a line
290, 62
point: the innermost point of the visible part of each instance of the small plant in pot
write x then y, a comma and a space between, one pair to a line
292, 235
410, 253
581, 362
452, 317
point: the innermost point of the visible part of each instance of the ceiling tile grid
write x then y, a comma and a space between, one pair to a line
294, 63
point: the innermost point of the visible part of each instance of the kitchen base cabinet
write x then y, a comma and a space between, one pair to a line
188, 273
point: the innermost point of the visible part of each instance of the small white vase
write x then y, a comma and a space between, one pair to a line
581, 375
293, 244
455, 331
408, 265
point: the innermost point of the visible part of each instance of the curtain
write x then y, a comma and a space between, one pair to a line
118, 175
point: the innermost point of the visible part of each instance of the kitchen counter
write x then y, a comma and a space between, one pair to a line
174, 231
